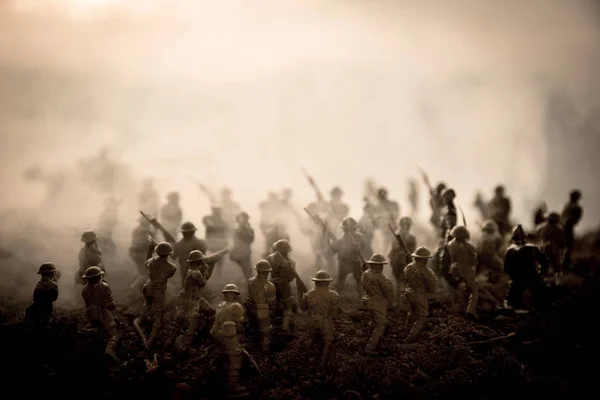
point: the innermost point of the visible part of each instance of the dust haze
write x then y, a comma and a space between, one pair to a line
245, 94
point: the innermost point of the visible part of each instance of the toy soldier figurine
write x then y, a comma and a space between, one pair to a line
437, 204
99, 305
44, 295
243, 237
388, 211
188, 243
553, 239
216, 233
336, 209
464, 261
230, 208
490, 247
448, 220
148, 198
170, 214
420, 283
481, 206
228, 325
521, 263
379, 296
160, 269
322, 304
319, 238
413, 196
137, 251
367, 225
261, 295
571, 215
90, 255
539, 215
399, 257
191, 293
282, 275
349, 254
499, 210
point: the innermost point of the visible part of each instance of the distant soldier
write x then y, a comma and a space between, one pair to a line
413, 197
336, 209
437, 204
216, 233
198, 309
349, 254
271, 224
379, 296
399, 257
539, 216
138, 249
188, 243
521, 264
421, 282
481, 206
490, 247
282, 275
448, 219
499, 210
464, 261
261, 296
319, 239
387, 211
99, 305
160, 269
106, 225
170, 215
44, 295
571, 215
148, 198
230, 208
243, 237
322, 304
90, 255
553, 240
367, 225
228, 326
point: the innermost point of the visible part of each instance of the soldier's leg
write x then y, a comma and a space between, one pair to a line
158, 304
380, 321
412, 314
421, 306
111, 328
357, 274
341, 279
468, 274
288, 311
183, 269
246, 267
231, 346
327, 332
264, 326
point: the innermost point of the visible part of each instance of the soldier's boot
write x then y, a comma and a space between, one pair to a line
325, 352
287, 319
376, 336
472, 305
155, 331
111, 348
234, 388
416, 330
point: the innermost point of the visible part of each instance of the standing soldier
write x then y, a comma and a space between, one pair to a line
490, 247
388, 211
99, 305
282, 275
216, 233
322, 304
230, 208
44, 295
319, 238
171, 214
271, 225
228, 325
571, 215
367, 225
539, 215
336, 209
481, 206
399, 257
437, 204
349, 254
379, 296
191, 294
148, 198
553, 240
448, 220
243, 237
413, 197
464, 261
137, 251
499, 210
160, 269
107, 223
261, 295
188, 243
90, 255
420, 283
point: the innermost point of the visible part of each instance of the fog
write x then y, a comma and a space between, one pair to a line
245, 94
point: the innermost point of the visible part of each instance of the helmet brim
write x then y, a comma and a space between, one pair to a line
321, 279
377, 262
92, 276
420, 256
230, 291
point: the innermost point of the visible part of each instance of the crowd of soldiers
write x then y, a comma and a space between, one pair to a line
489, 275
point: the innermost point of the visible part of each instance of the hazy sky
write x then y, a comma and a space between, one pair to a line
246, 93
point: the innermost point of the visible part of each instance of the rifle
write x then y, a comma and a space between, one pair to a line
300, 286
205, 190
319, 221
312, 183
212, 259
399, 240
168, 237
426, 180
463, 216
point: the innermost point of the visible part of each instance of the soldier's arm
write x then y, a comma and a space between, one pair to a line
53, 293
238, 318
303, 304
171, 270
336, 305
387, 287
270, 294
107, 300
431, 281
411, 243
542, 258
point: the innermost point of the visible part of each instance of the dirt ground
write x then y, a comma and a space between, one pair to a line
554, 353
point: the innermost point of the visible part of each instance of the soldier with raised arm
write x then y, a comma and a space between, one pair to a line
261, 297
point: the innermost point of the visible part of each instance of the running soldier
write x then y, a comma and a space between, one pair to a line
216, 234
490, 247
499, 210
421, 282
570, 217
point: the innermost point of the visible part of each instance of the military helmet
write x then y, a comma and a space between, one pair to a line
47, 268
422, 252
230, 288
553, 218
448, 194
243, 216
322, 276
490, 226
440, 187
195, 256
173, 196
88, 236
460, 232
226, 192
518, 235
336, 191
377, 258
164, 249
382, 193
575, 195
282, 246
405, 221
92, 272
263, 266
187, 227
349, 223
499, 189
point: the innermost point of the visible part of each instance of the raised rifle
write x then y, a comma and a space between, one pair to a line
300, 286
399, 240
212, 259
168, 237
